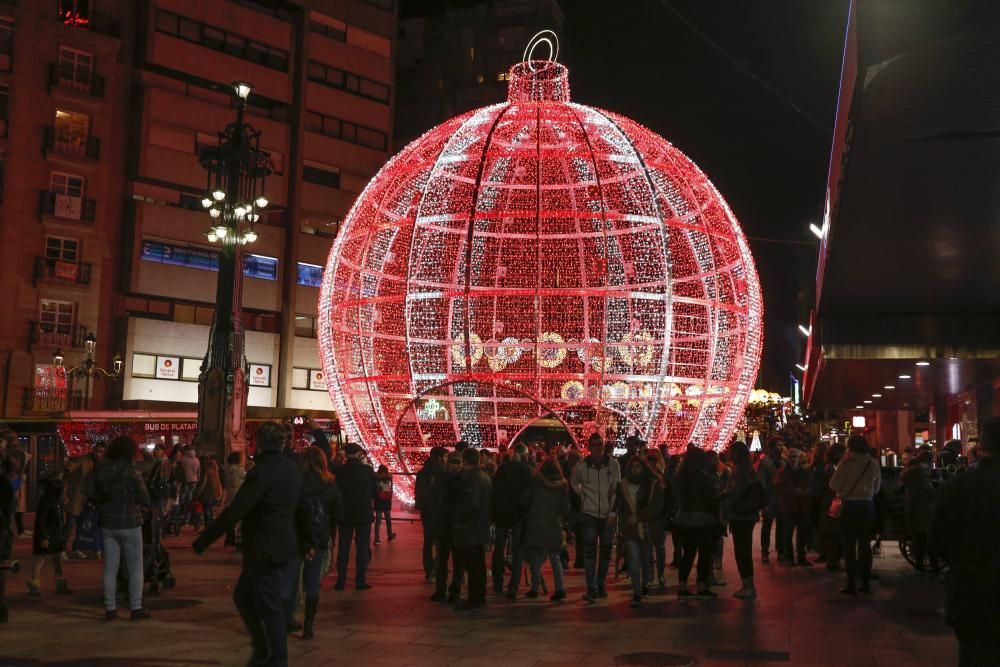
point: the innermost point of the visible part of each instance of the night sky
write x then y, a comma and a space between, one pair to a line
768, 160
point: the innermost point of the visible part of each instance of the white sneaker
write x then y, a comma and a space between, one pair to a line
78, 554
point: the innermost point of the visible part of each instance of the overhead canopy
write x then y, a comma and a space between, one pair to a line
908, 270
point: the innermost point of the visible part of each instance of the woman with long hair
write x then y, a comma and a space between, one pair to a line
657, 526
322, 508
697, 520
120, 493
744, 492
638, 502
548, 505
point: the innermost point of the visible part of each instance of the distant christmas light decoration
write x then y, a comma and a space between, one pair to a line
538, 259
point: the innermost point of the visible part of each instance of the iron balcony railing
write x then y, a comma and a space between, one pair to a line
76, 78
56, 270
58, 335
71, 143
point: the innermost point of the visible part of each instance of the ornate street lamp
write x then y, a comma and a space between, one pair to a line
89, 370
234, 199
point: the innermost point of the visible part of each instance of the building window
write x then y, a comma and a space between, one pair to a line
143, 365
71, 131
387, 5
219, 40
56, 316
62, 249
351, 83
76, 68
321, 176
346, 131
69, 185
310, 275
254, 266
260, 266
333, 32
305, 326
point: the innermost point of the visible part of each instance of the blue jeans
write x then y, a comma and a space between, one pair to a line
362, 537
128, 540
289, 574
535, 558
312, 573
594, 529
639, 565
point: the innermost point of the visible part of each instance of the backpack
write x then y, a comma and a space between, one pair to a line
753, 499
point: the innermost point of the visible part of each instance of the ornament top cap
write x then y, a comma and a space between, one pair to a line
534, 80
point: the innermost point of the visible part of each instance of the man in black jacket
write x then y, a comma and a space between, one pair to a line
429, 476
358, 486
267, 505
966, 532
471, 525
510, 482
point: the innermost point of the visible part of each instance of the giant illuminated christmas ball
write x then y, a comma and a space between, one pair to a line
538, 260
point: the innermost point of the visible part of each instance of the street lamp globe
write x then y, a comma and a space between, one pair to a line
57, 358
117, 361
90, 342
243, 89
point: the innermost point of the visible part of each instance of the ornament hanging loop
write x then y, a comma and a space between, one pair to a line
547, 37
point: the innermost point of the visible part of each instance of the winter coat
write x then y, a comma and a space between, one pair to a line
547, 505
858, 477
767, 469
444, 494
471, 515
268, 506
429, 476
596, 481
510, 482
322, 508
235, 473
964, 530
743, 476
383, 497
79, 478
697, 500
210, 485
356, 481
119, 492
191, 467
918, 498
794, 487
50, 527
647, 500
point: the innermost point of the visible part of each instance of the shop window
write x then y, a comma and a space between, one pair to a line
260, 266
310, 275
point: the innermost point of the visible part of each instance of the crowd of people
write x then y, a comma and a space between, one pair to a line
295, 515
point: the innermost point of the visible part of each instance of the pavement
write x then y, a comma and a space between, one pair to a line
799, 619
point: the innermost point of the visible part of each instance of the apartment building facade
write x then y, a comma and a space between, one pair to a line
101, 228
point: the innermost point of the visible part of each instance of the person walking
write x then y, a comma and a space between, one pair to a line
697, 520
830, 540
794, 486
267, 506
383, 503
17, 473
79, 480
511, 481
160, 482
190, 468
430, 475
322, 508
209, 490
547, 503
638, 501
444, 495
49, 538
595, 479
657, 527
918, 503
856, 482
358, 487
744, 497
965, 532
471, 527
768, 469
121, 493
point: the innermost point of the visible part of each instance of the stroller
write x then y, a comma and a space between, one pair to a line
155, 558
